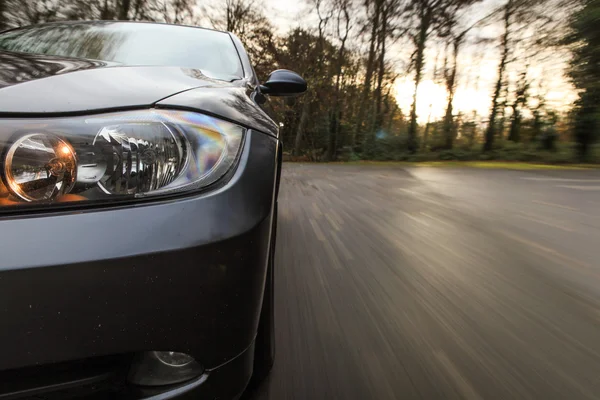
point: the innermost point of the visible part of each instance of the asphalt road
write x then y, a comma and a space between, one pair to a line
431, 283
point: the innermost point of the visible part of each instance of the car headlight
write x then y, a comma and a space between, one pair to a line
117, 156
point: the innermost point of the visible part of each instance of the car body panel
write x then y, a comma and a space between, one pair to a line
100, 89
231, 103
95, 282
88, 86
181, 274
249, 73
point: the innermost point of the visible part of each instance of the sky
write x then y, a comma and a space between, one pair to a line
478, 66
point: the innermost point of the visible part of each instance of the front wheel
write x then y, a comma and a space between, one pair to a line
264, 353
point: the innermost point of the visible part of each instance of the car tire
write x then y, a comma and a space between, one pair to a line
264, 353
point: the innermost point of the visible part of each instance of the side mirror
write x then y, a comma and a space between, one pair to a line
283, 82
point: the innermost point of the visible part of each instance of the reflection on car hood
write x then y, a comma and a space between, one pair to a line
232, 103
20, 67
38, 84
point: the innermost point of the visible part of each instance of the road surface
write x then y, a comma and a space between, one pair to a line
431, 283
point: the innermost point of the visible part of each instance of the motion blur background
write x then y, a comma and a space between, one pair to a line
410, 280
495, 79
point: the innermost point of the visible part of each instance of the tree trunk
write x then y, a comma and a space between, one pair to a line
124, 9
491, 129
332, 139
502, 112
378, 117
364, 97
104, 14
137, 10
3, 24
390, 110
451, 86
448, 122
301, 126
515, 122
425, 137
419, 63
336, 114
230, 19
427, 126
391, 120
586, 123
520, 101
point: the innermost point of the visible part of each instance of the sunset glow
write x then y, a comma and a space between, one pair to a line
432, 99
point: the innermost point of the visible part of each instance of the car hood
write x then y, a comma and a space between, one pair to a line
39, 84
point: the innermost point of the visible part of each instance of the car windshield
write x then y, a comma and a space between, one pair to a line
131, 44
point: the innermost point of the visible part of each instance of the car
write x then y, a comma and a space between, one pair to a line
140, 169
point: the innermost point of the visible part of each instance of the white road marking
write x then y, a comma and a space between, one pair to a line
415, 218
539, 220
554, 205
531, 178
579, 187
551, 253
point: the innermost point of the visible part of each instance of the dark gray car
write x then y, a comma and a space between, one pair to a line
138, 201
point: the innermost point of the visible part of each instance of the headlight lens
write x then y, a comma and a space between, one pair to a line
39, 167
113, 156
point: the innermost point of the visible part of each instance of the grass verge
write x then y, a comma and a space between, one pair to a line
478, 164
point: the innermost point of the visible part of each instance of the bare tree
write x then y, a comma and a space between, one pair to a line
110, 9
175, 11
28, 12
435, 78
450, 71
3, 22
515, 15
455, 40
519, 102
140, 10
124, 9
246, 19
343, 9
392, 12
431, 17
324, 14
237, 16
373, 20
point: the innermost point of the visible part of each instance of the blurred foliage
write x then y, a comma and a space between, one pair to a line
584, 39
512, 152
350, 111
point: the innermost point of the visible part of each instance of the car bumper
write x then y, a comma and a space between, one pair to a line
182, 275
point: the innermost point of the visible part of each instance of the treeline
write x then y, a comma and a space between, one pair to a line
353, 53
